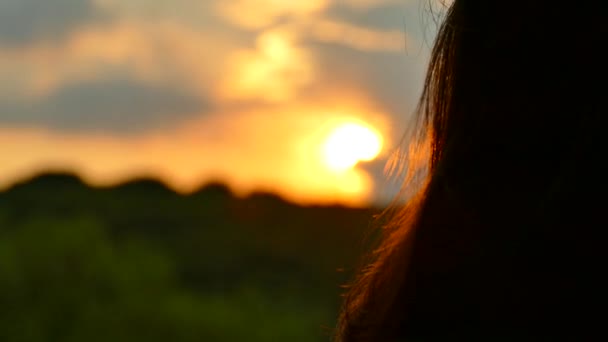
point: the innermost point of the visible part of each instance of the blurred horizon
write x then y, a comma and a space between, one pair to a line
139, 262
305, 99
154, 181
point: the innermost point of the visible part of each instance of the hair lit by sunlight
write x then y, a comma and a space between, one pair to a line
350, 143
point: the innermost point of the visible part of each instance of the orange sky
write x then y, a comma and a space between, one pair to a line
246, 91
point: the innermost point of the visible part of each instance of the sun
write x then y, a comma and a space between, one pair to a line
350, 143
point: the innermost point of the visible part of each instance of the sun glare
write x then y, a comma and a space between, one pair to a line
349, 144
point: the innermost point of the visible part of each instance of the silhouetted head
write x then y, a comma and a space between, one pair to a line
503, 237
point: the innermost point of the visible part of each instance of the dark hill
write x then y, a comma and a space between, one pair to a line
279, 257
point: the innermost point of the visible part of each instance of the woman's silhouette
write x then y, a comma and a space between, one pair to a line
503, 240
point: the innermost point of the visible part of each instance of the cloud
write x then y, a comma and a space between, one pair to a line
157, 52
387, 16
275, 71
191, 89
365, 5
414, 21
356, 37
378, 46
115, 105
26, 21
392, 79
327, 44
284, 62
256, 14
170, 63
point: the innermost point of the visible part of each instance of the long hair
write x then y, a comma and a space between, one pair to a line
502, 236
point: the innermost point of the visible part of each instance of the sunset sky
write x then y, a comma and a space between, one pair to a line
292, 96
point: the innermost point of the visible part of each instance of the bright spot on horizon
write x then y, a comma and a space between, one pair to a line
350, 143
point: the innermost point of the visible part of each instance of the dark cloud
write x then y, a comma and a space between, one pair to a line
384, 17
392, 79
26, 21
415, 18
114, 106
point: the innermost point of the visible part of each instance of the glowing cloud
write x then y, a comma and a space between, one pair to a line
274, 71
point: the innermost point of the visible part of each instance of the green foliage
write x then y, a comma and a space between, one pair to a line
64, 281
139, 262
